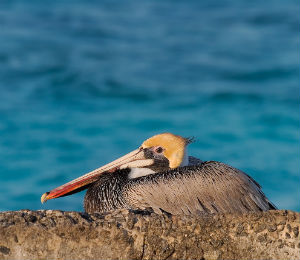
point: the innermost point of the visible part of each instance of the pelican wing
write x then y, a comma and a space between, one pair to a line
211, 187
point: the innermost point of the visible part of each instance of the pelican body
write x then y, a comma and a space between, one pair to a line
160, 175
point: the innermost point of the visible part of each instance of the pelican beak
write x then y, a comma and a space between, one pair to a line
133, 159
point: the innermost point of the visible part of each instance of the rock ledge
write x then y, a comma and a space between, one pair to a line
53, 234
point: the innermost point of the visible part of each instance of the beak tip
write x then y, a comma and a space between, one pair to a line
44, 197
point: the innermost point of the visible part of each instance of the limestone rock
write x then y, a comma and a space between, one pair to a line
122, 234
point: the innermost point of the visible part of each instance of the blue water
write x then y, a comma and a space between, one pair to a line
84, 82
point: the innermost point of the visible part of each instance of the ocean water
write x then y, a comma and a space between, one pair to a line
84, 82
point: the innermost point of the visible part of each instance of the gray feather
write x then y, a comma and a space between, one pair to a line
211, 187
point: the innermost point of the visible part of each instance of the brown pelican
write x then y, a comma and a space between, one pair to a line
160, 175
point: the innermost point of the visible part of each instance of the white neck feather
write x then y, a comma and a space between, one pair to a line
139, 172
185, 161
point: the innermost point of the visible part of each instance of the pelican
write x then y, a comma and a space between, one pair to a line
160, 175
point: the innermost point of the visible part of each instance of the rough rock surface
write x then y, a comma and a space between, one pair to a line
126, 235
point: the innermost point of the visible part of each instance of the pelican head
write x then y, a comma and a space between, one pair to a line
158, 153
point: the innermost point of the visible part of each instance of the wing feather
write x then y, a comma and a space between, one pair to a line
211, 187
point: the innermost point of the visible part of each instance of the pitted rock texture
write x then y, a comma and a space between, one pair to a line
122, 234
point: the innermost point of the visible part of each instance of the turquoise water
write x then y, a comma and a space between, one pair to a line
82, 83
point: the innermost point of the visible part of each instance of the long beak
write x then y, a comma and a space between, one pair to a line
134, 159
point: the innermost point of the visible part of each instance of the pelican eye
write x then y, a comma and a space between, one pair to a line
159, 149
